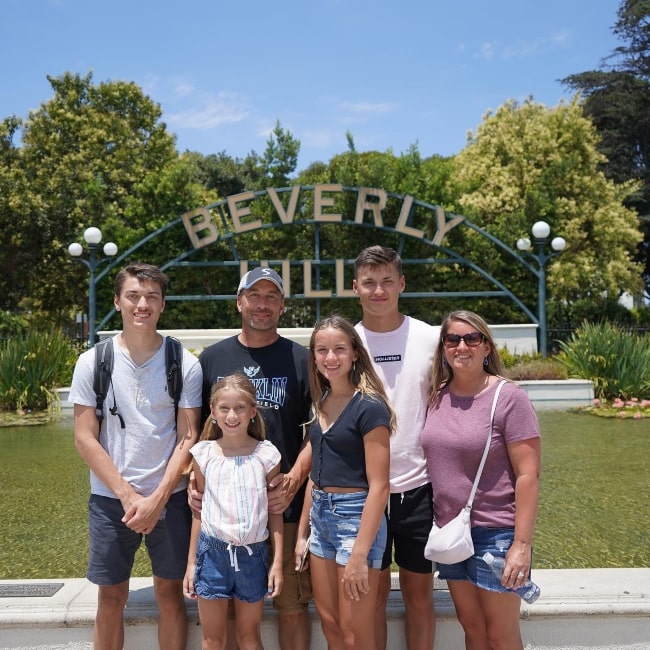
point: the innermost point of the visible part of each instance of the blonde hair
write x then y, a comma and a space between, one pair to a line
242, 384
442, 374
362, 374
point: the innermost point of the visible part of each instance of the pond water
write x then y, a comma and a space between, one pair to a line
594, 505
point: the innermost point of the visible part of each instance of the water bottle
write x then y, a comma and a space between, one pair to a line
529, 591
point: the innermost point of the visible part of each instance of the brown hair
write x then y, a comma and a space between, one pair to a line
362, 374
144, 273
375, 256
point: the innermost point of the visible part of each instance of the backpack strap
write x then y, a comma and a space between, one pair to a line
174, 365
102, 378
102, 375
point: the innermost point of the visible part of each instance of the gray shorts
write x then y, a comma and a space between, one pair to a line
113, 545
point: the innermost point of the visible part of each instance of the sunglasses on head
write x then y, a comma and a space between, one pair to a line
472, 340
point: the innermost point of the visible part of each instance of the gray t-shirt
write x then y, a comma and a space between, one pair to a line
141, 451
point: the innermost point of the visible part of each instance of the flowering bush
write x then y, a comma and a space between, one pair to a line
632, 408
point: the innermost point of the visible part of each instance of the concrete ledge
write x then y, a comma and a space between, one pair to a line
559, 393
600, 609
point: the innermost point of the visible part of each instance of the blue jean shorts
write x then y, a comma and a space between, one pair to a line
113, 545
495, 540
335, 523
228, 571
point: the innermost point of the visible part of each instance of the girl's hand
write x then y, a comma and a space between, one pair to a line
188, 583
276, 580
302, 554
355, 578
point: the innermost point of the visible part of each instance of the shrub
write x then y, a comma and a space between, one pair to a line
31, 367
617, 362
536, 369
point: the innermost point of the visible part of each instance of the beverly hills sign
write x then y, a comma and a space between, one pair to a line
235, 216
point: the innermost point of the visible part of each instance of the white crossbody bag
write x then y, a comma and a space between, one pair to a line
453, 542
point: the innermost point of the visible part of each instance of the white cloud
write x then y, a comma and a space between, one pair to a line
367, 107
210, 111
525, 48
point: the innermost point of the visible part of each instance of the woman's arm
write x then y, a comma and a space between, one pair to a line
525, 457
377, 455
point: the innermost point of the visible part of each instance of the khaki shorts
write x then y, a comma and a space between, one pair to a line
296, 589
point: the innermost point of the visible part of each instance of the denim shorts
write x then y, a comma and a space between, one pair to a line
495, 540
335, 522
226, 571
113, 545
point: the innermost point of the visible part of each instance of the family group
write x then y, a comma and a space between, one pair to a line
299, 474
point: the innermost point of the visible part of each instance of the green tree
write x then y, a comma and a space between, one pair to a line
226, 175
280, 157
617, 99
527, 162
82, 156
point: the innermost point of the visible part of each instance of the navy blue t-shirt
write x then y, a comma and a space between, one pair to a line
338, 454
279, 373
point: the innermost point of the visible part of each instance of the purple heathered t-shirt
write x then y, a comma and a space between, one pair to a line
453, 440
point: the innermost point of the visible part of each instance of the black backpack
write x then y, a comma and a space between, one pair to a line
104, 369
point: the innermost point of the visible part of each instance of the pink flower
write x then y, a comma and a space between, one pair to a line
638, 415
596, 402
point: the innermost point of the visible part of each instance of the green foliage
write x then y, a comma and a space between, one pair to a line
616, 98
618, 363
31, 367
11, 324
520, 367
526, 163
81, 159
537, 369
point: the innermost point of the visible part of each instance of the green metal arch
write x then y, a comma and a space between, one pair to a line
230, 236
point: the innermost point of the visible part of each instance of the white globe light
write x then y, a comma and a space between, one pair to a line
523, 244
110, 249
75, 249
558, 243
93, 235
541, 230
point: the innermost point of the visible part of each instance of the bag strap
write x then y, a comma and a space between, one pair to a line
470, 501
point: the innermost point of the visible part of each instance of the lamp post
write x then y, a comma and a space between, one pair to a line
93, 237
541, 231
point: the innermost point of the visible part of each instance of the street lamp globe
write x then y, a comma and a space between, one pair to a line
93, 235
558, 244
541, 230
110, 249
523, 244
75, 249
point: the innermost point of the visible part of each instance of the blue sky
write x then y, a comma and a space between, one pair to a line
393, 73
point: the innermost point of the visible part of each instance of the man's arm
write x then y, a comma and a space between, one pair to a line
86, 440
283, 487
143, 514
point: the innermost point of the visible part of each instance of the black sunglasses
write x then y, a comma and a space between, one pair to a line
472, 340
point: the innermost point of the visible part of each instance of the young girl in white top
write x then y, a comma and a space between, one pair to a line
228, 556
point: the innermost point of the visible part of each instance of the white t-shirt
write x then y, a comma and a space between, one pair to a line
403, 360
141, 451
